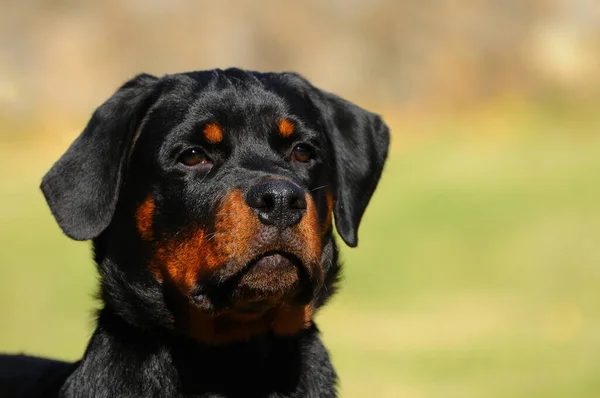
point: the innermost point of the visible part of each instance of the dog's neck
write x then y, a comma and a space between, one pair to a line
140, 363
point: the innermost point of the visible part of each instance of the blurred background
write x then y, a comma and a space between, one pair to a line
478, 269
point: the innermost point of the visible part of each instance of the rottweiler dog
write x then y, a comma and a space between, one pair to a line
210, 198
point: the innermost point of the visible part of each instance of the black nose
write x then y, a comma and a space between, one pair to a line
278, 203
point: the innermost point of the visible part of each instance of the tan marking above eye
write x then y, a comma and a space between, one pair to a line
213, 133
286, 128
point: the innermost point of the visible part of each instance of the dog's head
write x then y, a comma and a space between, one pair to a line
210, 197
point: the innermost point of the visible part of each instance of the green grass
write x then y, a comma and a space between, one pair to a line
477, 275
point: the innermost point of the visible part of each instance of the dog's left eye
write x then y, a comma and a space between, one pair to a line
194, 156
302, 153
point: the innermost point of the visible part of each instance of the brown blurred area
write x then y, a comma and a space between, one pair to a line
61, 58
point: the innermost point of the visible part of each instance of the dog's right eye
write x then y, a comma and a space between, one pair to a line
194, 157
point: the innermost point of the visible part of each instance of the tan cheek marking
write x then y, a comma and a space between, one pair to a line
286, 128
328, 217
187, 260
308, 229
213, 133
236, 226
144, 216
202, 252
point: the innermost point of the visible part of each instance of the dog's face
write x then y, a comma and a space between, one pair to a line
219, 188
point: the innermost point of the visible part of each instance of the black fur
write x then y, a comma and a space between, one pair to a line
128, 152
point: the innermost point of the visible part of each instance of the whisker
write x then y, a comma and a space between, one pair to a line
317, 188
180, 231
208, 236
213, 235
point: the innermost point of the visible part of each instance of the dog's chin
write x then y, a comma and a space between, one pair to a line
268, 281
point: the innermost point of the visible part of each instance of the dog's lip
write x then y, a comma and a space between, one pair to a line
268, 262
275, 258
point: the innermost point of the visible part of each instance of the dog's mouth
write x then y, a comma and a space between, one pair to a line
269, 275
268, 280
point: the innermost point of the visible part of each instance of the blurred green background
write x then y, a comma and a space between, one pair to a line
478, 268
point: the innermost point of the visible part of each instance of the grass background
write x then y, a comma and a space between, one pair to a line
477, 272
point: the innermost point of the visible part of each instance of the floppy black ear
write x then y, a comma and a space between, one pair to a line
82, 187
359, 140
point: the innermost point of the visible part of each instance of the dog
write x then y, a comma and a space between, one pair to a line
210, 198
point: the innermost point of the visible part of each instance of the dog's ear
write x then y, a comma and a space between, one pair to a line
359, 140
82, 187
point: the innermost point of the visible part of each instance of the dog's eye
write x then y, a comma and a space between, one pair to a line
302, 153
193, 157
